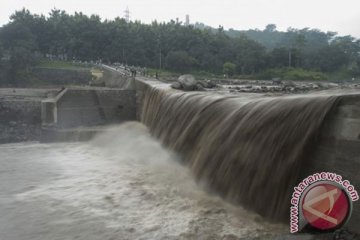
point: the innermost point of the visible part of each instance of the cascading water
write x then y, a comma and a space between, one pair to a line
248, 150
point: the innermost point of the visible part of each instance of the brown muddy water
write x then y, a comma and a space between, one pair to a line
121, 185
248, 150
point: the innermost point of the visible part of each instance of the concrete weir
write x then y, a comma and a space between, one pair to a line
208, 131
332, 144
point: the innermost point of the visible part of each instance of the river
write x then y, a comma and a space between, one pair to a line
121, 185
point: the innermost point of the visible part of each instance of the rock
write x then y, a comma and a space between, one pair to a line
256, 88
188, 82
333, 85
176, 85
200, 87
208, 83
314, 86
276, 81
290, 89
289, 84
203, 83
278, 88
212, 84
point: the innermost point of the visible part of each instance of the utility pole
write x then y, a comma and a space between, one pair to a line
160, 57
127, 14
159, 42
289, 58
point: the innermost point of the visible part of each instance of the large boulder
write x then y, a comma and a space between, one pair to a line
188, 82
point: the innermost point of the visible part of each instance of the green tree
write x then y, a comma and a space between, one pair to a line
279, 57
250, 55
180, 60
171, 44
229, 68
270, 28
21, 47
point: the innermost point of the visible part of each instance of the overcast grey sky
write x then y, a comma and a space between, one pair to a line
328, 15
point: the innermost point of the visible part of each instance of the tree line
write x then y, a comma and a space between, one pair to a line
171, 45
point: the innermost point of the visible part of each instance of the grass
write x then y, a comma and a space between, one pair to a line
291, 74
62, 65
163, 73
341, 75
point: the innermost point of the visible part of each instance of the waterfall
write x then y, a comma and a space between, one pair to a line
249, 150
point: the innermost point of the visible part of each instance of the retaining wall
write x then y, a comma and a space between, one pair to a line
338, 149
89, 107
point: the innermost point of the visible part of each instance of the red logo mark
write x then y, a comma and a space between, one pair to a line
326, 206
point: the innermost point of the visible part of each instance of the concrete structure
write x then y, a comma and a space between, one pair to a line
338, 149
20, 113
187, 20
71, 109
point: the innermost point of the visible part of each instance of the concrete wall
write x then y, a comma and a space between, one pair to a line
117, 78
19, 120
20, 113
89, 107
339, 149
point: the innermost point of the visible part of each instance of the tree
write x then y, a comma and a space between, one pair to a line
330, 58
250, 55
172, 45
229, 68
180, 60
270, 28
279, 57
21, 46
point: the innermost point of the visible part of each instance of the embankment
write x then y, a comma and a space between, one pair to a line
53, 76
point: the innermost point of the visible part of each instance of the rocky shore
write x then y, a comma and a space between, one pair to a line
189, 83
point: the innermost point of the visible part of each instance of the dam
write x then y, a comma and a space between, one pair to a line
245, 151
250, 150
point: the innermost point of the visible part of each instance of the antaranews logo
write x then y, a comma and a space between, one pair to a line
322, 201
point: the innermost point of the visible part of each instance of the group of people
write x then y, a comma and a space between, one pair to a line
132, 70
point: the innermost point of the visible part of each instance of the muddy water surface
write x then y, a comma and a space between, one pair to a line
122, 185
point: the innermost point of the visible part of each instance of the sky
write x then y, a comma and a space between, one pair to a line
327, 15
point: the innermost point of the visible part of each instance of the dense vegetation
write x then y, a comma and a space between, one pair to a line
30, 37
